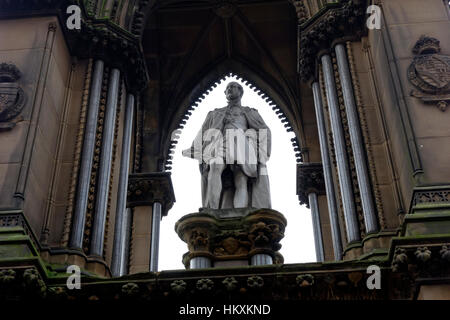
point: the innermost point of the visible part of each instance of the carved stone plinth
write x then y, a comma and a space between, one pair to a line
232, 238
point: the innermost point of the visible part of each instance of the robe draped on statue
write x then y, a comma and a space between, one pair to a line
252, 147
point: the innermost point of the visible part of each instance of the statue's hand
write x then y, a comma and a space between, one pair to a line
187, 153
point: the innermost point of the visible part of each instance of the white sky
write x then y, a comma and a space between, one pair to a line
298, 243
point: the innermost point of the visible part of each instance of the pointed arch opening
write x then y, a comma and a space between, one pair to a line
298, 244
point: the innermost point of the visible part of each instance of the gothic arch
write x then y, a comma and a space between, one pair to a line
210, 80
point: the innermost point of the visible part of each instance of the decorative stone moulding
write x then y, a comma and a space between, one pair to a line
339, 20
118, 48
232, 234
16, 219
431, 195
429, 213
309, 179
144, 189
430, 73
422, 261
12, 97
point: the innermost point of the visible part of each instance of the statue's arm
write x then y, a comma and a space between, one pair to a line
196, 149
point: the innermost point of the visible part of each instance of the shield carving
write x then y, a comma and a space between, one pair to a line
434, 70
430, 73
8, 95
12, 97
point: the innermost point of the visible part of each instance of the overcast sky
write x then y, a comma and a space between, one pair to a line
298, 243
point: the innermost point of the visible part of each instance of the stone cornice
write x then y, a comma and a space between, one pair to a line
337, 21
103, 39
97, 38
309, 179
144, 189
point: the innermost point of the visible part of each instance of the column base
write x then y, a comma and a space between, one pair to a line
376, 244
61, 258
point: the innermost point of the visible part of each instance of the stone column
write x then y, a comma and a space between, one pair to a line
87, 156
261, 259
327, 173
343, 169
154, 251
320, 255
200, 263
98, 228
362, 172
120, 230
310, 183
144, 190
125, 243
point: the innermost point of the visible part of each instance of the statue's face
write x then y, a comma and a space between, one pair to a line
233, 91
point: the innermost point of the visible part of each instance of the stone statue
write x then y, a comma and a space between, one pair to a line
232, 147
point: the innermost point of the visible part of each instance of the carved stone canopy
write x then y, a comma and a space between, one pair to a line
430, 73
309, 179
144, 189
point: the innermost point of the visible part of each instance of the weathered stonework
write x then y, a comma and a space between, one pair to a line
430, 73
146, 188
235, 238
343, 19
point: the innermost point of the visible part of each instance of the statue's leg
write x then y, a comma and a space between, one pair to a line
241, 192
214, 188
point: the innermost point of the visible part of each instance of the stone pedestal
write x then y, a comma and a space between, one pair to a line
232, 237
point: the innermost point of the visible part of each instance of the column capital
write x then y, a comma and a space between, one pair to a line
309, 179
146, 188
318, 30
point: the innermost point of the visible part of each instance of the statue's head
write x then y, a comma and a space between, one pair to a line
234, 91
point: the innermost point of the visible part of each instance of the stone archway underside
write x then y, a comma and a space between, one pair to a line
191, 45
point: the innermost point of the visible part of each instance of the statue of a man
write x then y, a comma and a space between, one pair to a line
232, 147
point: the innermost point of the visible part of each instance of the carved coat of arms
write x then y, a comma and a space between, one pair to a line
12, 97
430, 73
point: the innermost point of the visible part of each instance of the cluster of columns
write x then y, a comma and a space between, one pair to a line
123, 215
343, 170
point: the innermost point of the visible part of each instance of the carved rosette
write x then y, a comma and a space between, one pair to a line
309, 179
238, 238
12, 97
422, 261
144, 189
430, 73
